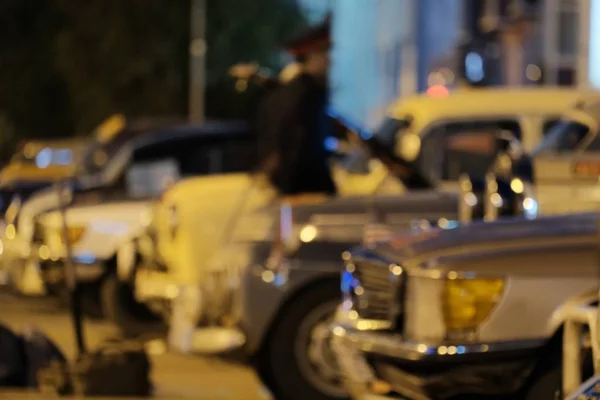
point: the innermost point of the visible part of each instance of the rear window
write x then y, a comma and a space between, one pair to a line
466, 147
565, 136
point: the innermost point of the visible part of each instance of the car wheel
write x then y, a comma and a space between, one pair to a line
131, 317
292, 363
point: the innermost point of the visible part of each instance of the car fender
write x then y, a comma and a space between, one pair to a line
264, 302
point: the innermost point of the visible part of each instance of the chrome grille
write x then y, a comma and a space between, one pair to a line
372, 289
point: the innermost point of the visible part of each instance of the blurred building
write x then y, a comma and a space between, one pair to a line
387, 48
533, 41
572, 48
315, 10
502, 43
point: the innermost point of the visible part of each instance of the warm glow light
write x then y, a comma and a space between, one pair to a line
308, 233
438, 91
517, 185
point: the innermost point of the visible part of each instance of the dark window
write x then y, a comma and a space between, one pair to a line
566, 76
155, 166
568, 25
464, 148
549, 124
563, 137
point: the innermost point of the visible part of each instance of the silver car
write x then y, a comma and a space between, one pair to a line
474, 310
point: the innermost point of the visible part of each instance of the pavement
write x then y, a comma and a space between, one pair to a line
175, 376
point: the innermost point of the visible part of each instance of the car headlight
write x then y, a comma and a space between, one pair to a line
468, 302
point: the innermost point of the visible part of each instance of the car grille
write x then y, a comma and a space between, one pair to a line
372, 290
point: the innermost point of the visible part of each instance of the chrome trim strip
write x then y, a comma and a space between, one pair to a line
394, 346
419, 272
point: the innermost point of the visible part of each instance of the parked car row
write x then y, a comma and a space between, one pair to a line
440, 269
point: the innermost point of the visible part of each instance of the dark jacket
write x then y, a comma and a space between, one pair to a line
293, 125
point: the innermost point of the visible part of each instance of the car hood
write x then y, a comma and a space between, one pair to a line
439, 248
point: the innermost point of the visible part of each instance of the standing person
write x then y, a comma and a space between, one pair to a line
294, 125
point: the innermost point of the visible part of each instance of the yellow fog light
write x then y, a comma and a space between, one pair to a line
468, 302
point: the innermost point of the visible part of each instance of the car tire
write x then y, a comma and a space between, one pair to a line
280, 364
132, 318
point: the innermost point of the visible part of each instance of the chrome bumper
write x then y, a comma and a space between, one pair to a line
356, 373
351, 348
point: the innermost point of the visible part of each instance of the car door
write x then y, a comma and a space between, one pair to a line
559, 183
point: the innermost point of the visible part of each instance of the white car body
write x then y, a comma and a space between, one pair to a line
106, 227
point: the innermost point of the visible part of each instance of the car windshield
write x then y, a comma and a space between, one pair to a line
565, 136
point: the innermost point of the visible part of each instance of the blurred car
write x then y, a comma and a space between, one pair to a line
474, 310
565, 166
38, 164
278, 283
112, 197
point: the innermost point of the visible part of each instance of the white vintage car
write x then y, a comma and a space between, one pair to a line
111, 203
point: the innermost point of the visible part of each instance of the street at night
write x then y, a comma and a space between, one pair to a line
175, 376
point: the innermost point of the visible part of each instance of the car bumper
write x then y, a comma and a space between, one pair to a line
378, 365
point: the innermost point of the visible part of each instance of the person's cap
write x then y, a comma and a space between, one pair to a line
315, 38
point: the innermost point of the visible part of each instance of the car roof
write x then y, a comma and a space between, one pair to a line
146, 131
423, 109
206, 129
